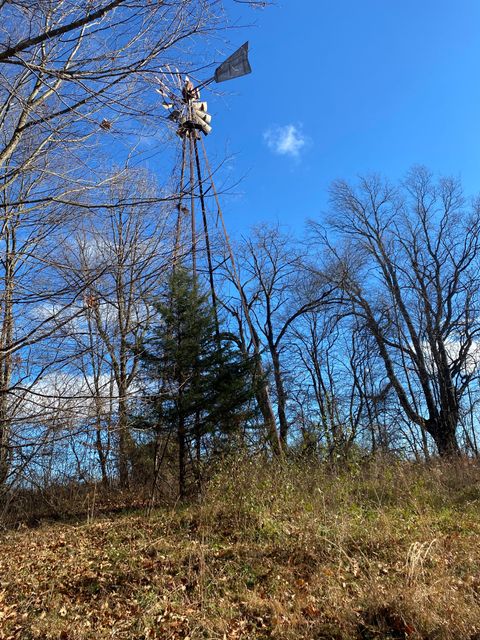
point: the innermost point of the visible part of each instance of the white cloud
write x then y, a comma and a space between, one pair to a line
454, 349
287, 140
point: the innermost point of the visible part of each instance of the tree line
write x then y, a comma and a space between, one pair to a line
115, 366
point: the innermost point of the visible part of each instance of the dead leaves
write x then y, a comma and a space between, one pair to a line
137, 578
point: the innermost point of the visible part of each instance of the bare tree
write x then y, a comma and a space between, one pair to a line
406, 262
32, 300
75, 77
129, 246
274, 284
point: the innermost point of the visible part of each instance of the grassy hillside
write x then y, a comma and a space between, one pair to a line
385, 551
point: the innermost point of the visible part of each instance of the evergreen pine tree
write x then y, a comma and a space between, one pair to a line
204, 384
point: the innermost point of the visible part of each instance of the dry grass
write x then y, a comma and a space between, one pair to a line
385, 551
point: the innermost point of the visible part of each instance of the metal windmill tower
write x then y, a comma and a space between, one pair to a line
193, 122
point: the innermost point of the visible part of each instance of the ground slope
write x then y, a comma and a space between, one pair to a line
392, 551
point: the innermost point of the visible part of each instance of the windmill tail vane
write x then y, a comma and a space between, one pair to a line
235, 66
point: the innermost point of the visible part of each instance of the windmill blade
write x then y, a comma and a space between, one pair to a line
235, 66
175, 77
178, 78
171, 80
170, 98
164, 89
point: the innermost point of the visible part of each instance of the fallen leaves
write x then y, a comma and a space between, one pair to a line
153, 579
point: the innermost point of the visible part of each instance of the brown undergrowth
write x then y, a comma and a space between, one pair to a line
385, 550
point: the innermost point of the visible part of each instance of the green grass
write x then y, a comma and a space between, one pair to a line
388, 550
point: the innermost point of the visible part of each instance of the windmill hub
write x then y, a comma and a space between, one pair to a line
186, 109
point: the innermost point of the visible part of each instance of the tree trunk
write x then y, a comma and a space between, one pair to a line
444, 432
262, 396
281, 397
102, 458
124, 440
6, 360
263, 400
182, 452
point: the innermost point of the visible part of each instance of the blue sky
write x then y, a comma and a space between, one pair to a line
341, 88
